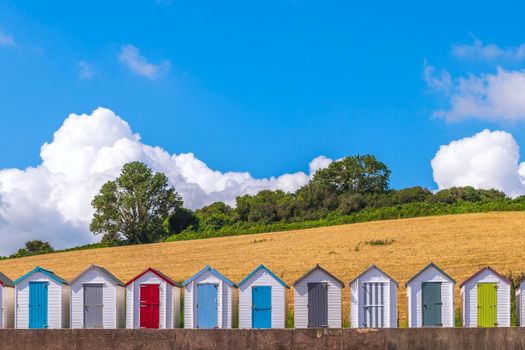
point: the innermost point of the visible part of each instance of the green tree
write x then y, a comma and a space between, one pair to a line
180, 220
214, 216
358, 174
134, 206
32, 248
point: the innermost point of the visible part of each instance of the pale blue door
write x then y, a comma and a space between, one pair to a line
207, 306
262, 307
37, 304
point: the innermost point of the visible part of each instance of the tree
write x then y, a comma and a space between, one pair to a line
359, 174
32, 248
180, 220
214, 216
134, 206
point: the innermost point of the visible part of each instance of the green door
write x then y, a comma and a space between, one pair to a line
432, 304
487, 304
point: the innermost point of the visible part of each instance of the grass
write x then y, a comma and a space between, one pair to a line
460, 244
386, 241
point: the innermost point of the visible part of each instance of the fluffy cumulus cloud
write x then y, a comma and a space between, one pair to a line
488, 52
53, 200
498, 96
489, 159
131, 57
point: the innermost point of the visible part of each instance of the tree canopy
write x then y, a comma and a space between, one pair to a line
134, 206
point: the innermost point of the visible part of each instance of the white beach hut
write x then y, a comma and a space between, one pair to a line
7, 302
210, 300
373, 300
152, 301
97, 300
318, 300
262, 300
486, 300
520, 304
431, 298
42, 300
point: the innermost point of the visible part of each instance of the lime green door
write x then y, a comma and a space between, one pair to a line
487, 305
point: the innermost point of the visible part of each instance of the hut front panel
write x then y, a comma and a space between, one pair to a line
2, 307
109, 314
7, 303
189, 306
470, 305
301, 300
520, 309
176, 306
415, 315
147, 278
262, 278
130, 315
223, 299
357, 297
54, 303
121, 306
172, 310
66, 306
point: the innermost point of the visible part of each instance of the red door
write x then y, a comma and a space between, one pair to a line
149, 306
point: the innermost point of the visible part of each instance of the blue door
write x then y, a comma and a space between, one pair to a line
262, 307
207, 305
37, 304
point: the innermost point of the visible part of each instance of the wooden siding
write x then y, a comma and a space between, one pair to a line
389, 297
334, 300
110, 301
55, 305
166, 319
414, 293
469, 293
262, 278
225, 300
8, 301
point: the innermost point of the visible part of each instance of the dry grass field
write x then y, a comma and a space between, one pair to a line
460, 244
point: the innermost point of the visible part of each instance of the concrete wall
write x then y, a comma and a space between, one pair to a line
182, 339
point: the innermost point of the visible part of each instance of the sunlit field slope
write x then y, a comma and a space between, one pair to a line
460, 244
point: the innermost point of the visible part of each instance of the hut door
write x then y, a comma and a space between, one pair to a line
487, 305
38, 304
149, 306
432, 304
207, 305
373, 305
262, 307
317, 305
93, 305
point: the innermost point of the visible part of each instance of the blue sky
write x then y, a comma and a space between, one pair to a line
254, 86
261, 87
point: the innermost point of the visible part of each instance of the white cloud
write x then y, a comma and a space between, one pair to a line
86, 70
6, 39
489, 159
130, 56
498, 97
441, 82
489, 52
53, 200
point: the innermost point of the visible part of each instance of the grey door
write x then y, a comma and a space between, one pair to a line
317, 305
93, 305
373, 305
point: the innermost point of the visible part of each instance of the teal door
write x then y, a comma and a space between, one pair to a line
432, 304
262, 307
207, 306
38, 304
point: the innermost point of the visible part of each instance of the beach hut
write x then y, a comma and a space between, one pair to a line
262, 300
431, 298
486, 300
7, 302
97, 300
373, 300
152, 301
209, 300
42, 300
317, 300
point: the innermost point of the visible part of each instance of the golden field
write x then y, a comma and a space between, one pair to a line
460, 244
